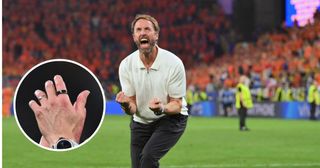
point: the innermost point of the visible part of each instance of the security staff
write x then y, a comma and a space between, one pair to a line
243, 102
199, 95
189, 98
313, 99
283, 93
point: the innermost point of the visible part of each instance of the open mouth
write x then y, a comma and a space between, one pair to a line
144, 41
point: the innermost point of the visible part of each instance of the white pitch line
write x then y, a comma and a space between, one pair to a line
274, 165
246, 166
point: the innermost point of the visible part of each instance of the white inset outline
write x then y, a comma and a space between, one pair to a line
59, 60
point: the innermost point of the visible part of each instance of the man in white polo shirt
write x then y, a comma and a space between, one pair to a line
153, 83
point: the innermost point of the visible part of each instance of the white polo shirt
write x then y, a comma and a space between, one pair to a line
166, 78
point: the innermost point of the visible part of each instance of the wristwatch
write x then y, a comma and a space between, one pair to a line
161, 111
64, 143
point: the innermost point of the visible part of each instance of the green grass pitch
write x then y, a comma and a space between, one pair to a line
206, 143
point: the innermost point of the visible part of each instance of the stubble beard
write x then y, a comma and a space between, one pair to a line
146, 51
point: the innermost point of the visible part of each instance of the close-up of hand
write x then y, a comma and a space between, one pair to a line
156, 106
56, 116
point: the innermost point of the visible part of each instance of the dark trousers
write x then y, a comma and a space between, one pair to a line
313, 111
150, 142
242, 115
226, 108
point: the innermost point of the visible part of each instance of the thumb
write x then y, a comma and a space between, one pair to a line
81, 100
157, 100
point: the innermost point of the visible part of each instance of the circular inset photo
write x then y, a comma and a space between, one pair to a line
59, 105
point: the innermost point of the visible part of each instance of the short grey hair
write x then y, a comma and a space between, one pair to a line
146, 17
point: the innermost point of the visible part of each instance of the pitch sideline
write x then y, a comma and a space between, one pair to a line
275, 165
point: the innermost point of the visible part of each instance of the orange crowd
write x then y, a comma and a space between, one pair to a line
96, 33
291, 55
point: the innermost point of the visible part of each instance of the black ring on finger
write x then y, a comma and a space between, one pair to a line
62, 92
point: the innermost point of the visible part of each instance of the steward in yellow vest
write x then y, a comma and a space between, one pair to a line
189, 99
300, 95
243, 102
313, 99
243, 96
200, 96
283, 93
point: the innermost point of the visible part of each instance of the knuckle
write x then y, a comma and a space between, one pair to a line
52, 103
64, 101
38, 113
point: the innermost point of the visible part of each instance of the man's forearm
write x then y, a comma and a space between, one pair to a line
130, 108
173, 107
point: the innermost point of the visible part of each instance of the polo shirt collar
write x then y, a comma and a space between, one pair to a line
140, 63
156, 63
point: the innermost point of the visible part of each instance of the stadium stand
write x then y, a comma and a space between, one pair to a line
96, 33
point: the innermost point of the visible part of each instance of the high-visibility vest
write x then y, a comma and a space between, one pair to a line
115, 89
203, 96
243, 91
283, 94
260, 95
313, 94
200, 96
301, 94
189, 97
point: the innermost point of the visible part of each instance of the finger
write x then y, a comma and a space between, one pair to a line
51, 91
152, 105
42, 97
60, 85
157, 100
81, 101
35, 107
121, 94
118, 97
79, 126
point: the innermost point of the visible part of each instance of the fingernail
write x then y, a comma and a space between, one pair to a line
30, 102
57, 77
37, 92
88, 93
48, 83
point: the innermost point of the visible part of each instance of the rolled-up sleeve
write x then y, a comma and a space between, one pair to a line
125, 79
177, 82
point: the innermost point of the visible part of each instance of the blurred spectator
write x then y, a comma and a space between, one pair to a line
227, 98
212, 85
7, 95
